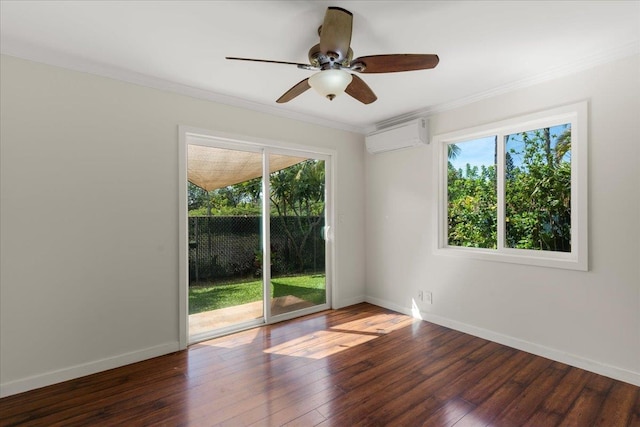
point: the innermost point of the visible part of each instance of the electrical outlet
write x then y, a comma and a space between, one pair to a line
420, 296
427, 297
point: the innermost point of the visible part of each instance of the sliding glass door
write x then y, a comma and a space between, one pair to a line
254, 259
297, 230
226, 289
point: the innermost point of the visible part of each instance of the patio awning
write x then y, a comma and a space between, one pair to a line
210, 168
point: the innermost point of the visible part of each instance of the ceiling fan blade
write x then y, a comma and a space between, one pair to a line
270, 61
335, 35
394, 63
294, 91
360, 90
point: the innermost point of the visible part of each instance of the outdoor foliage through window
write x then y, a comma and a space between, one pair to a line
536, 169
538, 189
471, 190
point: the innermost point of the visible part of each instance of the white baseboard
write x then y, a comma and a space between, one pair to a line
49, 378
350, 301
43, 380
391, 306
537, 349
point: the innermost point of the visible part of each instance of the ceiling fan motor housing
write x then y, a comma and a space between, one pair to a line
322, 60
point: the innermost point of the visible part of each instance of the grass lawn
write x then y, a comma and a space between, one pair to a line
212, 297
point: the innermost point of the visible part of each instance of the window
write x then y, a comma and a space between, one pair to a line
515, 191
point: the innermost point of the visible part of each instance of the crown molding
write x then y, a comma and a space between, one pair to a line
601, 58
57, 59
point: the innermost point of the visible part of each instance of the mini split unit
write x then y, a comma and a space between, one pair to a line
397, 137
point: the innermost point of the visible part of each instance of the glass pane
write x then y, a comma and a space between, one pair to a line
225, 270
471, 193
297, 227
538, 189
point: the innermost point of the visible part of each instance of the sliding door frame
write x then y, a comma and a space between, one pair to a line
266, 209
189, 135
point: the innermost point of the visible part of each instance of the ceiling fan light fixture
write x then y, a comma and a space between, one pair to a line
330, 83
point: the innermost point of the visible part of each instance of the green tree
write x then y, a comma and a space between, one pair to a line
237, 199
472, 206
196, 197
297, 200
538, 191
453, 151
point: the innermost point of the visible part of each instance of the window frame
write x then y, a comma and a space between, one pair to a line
577, 259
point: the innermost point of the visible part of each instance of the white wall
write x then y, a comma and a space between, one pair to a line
89, 217
589, 319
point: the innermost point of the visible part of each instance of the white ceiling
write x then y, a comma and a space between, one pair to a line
484, 47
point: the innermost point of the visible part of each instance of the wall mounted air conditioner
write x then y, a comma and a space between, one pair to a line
396, 137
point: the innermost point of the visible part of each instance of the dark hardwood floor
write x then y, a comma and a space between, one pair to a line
358, 366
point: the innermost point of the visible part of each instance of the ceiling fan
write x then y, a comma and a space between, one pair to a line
333, 55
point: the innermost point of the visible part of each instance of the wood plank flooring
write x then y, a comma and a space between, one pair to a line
358, 366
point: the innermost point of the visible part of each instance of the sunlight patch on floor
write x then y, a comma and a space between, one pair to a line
378, 324
320, 344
